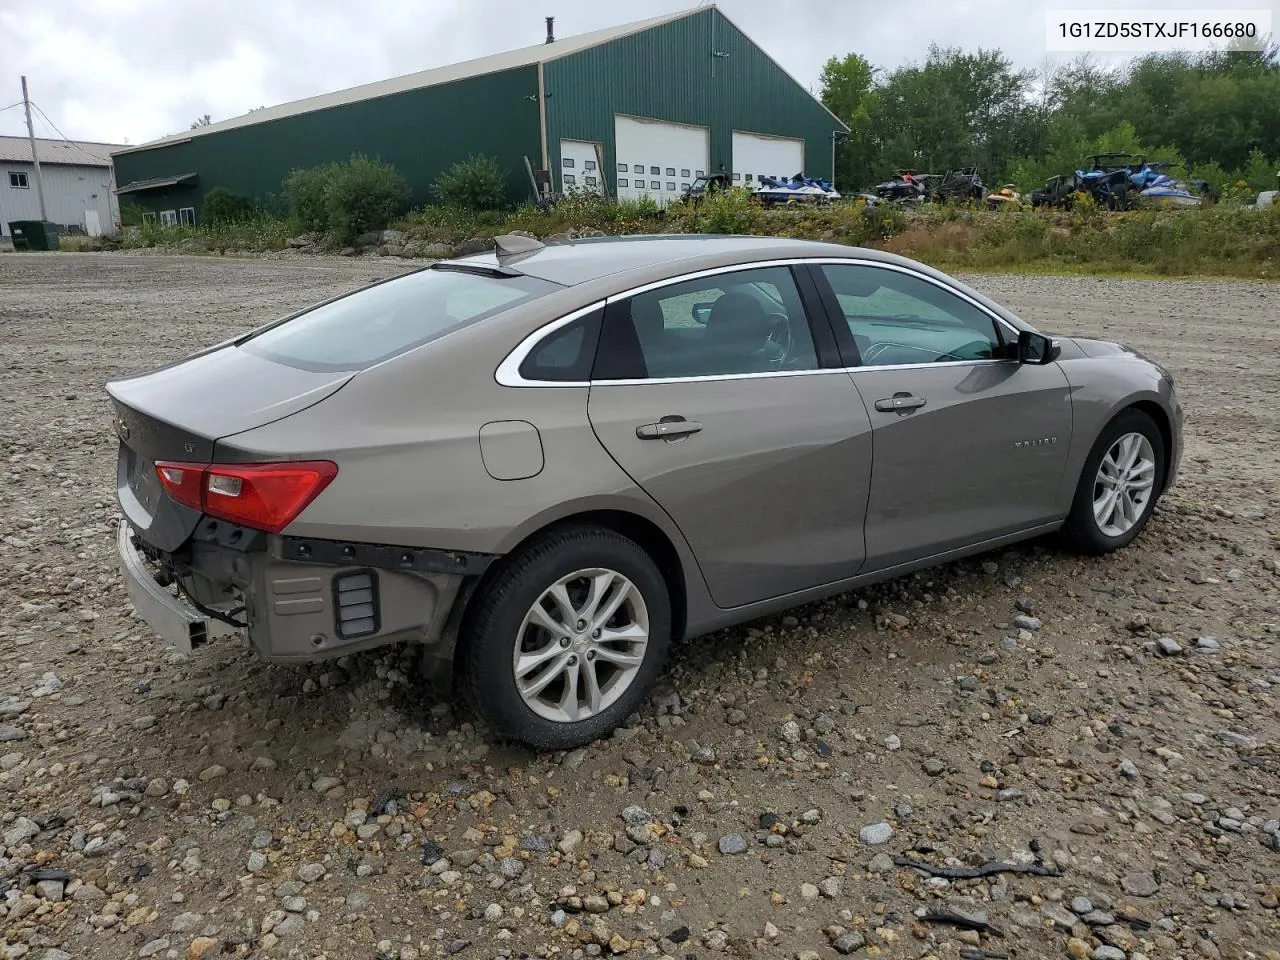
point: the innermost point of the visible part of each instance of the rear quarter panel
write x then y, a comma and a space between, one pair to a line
406, 438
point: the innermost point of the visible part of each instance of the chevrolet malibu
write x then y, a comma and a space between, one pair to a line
546, 462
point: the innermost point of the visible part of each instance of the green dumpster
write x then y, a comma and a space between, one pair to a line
34, 234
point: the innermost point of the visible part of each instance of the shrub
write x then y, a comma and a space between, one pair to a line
364, 195
222, 206
346, 199
476, 183
304, 191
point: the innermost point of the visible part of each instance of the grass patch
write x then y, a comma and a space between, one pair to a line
1223, 241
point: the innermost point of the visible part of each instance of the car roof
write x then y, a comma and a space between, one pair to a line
574, 262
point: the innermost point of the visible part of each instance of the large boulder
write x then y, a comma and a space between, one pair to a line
394, 238
371, 239
390, 250
435, 251
471, 245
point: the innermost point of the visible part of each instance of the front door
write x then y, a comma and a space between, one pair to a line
969, 445
710, 395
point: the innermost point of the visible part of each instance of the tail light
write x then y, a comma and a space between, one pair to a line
261, 496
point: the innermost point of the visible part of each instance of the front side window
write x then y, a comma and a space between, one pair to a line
897, 318
380, 321
746, 321
18, 180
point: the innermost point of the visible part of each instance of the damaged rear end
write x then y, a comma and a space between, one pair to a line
209, 542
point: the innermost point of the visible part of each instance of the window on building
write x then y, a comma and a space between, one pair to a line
746, 177
671, 171
671, 185
567, 163
18, 180
638, 168
685, 173
590, 181
737, 176
569, 179
700, 173
654, 171
655, 185
169, 218
622, 168
187, 215
684, 186
623, 182
588, 164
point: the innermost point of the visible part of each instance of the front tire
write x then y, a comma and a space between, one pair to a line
1119, 485
567, 638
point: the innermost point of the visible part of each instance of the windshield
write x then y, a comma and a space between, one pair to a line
380, 321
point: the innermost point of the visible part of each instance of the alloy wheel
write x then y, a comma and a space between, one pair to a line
581, 645
1124, 484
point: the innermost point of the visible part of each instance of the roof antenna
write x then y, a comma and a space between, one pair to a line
551, 33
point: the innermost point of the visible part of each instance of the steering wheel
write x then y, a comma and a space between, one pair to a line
781, 337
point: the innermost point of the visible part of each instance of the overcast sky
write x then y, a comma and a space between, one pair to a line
128, 71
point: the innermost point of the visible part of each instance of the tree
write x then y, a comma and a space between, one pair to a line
847, 91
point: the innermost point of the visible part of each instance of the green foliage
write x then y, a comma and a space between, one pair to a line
364, 195
130, 213
1218, 112
476, 183
220, 205
346, 199
305, 192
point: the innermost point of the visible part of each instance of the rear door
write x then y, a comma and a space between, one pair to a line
722, 401
969, 443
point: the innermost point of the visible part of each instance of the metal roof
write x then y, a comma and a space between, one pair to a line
155, 183
523, 57
81, 153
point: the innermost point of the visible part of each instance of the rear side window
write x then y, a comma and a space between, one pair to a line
565, 355
381, 321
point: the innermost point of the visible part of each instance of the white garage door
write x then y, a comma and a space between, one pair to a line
579, 167
756, 155
657, 159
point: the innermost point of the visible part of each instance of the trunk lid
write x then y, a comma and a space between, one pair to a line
179, 412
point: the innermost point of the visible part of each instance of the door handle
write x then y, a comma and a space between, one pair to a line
668, 428
900, 403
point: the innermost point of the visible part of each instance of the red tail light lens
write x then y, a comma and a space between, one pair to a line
262, 496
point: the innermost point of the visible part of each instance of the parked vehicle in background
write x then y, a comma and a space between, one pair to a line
1269, 198
1059, 191
959, 186
1007, 197
545, 463
907, 186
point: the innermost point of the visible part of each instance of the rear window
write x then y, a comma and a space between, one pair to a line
378, 322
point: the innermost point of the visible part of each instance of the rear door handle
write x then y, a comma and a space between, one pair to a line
900, 403
668, 429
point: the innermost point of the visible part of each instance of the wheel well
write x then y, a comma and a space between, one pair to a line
645, 533
1156, 413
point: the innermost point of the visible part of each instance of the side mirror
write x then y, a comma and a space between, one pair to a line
702, 312
1037, 348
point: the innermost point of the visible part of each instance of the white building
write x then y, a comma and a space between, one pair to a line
77, 179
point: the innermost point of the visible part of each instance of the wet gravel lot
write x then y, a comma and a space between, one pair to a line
1108, 729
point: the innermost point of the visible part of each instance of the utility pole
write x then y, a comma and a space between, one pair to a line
31, 136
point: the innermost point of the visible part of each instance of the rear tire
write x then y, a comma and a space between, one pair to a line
1114, 502
565, 641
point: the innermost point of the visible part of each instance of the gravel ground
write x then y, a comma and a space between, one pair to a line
1110, 728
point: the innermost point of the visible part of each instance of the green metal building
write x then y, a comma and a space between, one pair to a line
636, 110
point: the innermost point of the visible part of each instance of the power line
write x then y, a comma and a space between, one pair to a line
11, 106
65, 138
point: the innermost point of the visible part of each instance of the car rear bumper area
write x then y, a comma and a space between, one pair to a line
176, 622
293, 611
